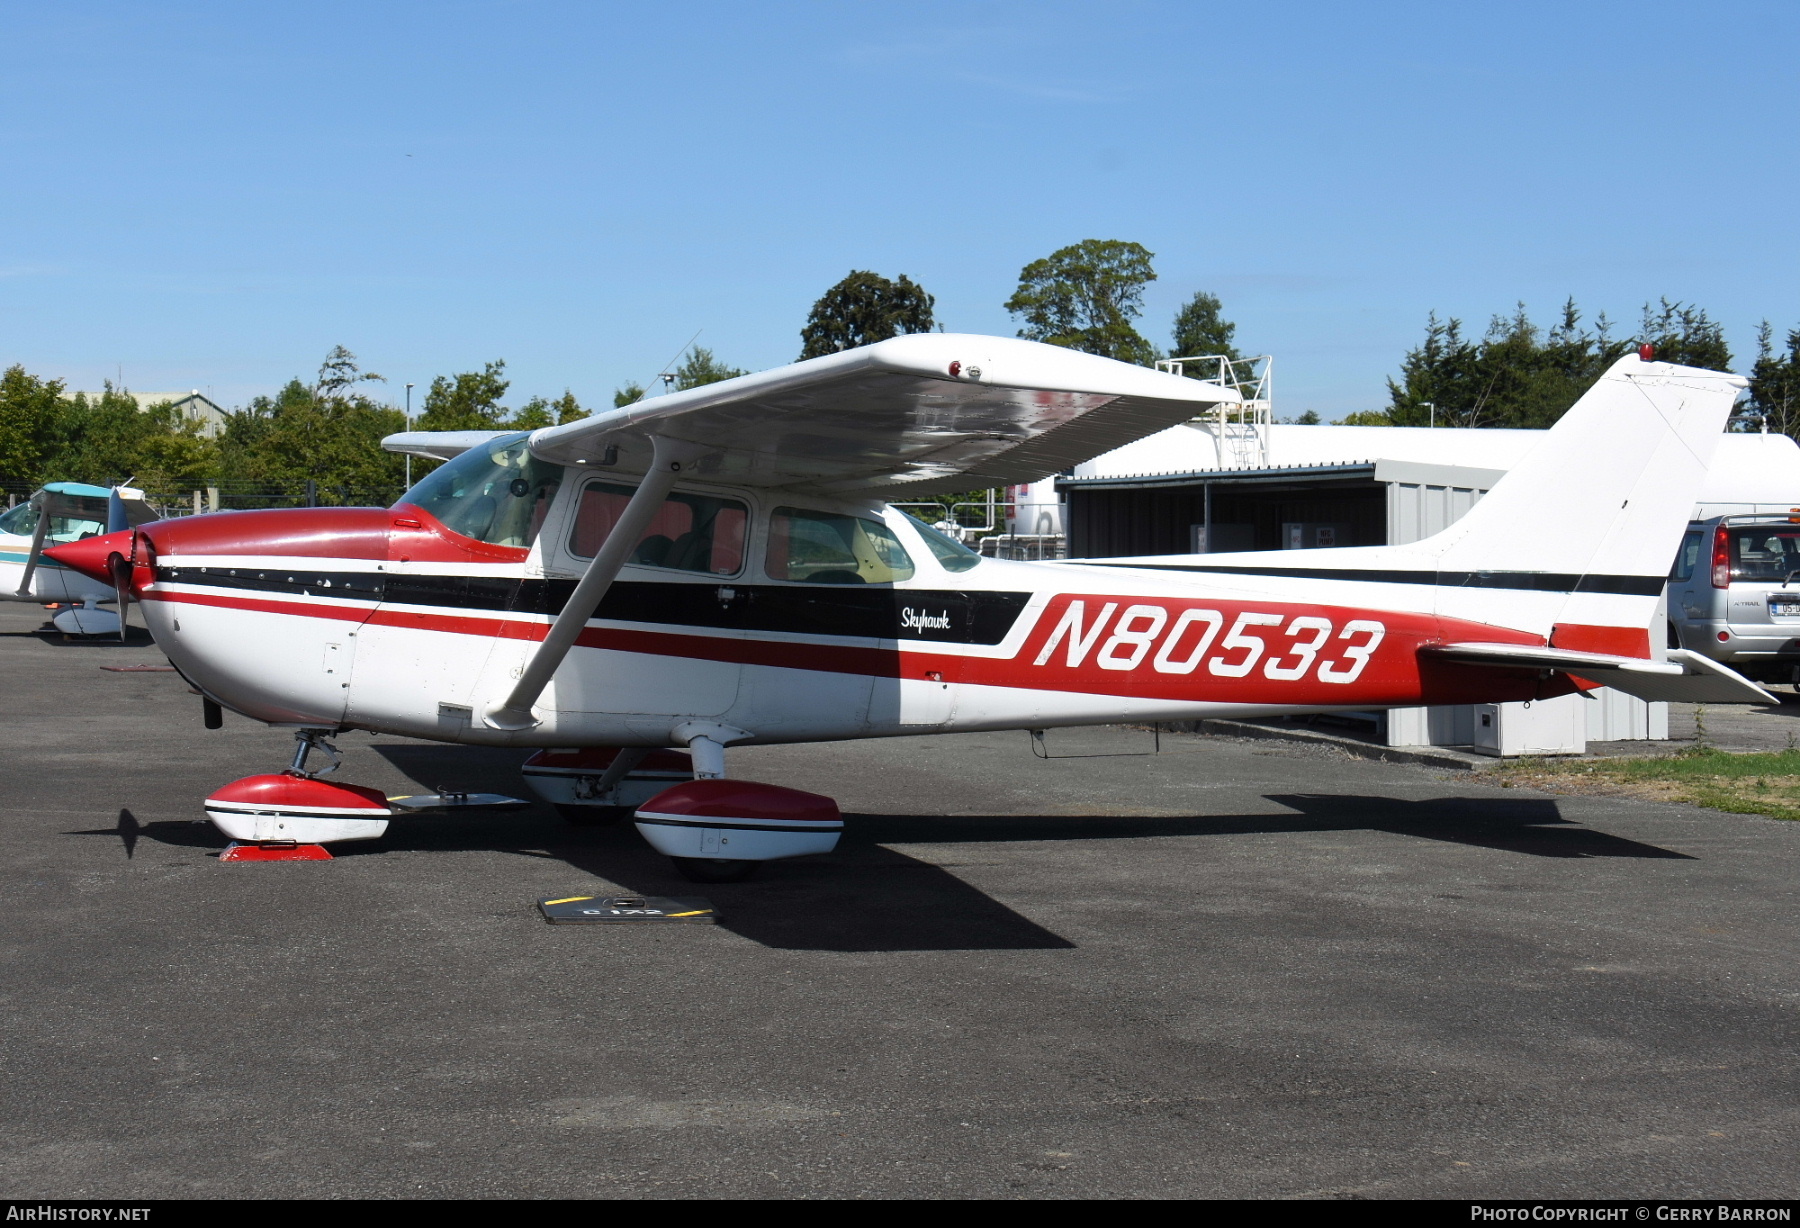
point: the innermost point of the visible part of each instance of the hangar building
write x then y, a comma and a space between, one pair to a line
1211, 487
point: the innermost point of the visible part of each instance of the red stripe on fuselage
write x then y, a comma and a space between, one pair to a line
1156, 649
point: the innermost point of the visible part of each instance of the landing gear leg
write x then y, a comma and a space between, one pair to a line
706, 743
307, 741
709, 764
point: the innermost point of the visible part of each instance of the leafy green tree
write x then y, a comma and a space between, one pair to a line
466, 402
339, 375
702, 368
1519, 375
630, 394
279, 443
1201, 332
1085, 297
862, 309
1682, 333
109, 439
1365, 417
567, 408
328, 432
1309, 418
30, 409
539, 412
1775, 383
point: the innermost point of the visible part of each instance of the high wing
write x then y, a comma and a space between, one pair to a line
438, 445
918, 414
1686, 677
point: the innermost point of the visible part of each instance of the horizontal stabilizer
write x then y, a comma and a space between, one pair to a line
1686, 677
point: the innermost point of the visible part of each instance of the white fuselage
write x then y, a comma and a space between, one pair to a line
422, 643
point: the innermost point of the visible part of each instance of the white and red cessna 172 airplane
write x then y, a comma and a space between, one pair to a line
719, 567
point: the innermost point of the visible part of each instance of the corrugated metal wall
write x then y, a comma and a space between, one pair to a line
1416, 510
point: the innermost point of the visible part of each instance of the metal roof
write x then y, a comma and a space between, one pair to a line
1234, 477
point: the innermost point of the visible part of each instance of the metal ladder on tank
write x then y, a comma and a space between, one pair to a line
1239, 427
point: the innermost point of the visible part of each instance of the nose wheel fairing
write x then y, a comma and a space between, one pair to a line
283, 808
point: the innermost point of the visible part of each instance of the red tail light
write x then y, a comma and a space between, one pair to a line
1721, 558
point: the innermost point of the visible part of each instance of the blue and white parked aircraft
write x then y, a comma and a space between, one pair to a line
59, 513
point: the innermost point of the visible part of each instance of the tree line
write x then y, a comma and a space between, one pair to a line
325, 434
1517, 374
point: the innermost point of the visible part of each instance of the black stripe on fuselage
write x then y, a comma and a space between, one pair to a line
863, 611
1535, 581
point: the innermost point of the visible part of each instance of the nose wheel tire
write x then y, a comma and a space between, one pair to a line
714, 869
594, 816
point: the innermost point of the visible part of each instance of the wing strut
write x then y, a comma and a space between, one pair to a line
46, 501
671, 456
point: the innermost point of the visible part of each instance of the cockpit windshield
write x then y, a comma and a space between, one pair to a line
76, 517
497, 492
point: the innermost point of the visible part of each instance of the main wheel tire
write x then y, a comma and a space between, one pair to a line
593, 816
714, 869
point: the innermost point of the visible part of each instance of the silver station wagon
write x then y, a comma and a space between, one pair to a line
1734, 594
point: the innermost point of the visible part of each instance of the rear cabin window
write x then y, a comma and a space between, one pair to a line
1688, 557
691, 532
828, 548
1765, 553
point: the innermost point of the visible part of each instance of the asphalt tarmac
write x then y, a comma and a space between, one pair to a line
1231, 969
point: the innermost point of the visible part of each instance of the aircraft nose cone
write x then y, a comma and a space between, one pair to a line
88, 556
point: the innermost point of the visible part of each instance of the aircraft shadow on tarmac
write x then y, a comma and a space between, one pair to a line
870, 897
135, 637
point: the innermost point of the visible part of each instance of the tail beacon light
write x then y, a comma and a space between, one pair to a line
739, 820
1721, 560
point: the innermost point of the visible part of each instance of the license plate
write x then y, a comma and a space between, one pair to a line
1785, 607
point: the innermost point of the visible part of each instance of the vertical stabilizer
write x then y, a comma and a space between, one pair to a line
1603, 499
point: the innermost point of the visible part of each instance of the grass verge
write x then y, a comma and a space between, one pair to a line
1762, 783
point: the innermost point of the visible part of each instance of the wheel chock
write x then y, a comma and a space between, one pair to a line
274, 850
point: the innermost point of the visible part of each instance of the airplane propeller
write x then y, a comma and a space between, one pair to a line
117, 564
116, 517
120, 569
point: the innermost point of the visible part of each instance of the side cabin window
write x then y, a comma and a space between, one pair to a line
828, 548
1688, 556
496, 492
691, 532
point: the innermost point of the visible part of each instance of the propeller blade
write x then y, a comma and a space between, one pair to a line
116, 518
121, 578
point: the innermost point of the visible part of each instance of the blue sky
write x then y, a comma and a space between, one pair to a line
211, 196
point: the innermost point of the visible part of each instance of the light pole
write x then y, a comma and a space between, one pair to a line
409, 427
1431, 405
